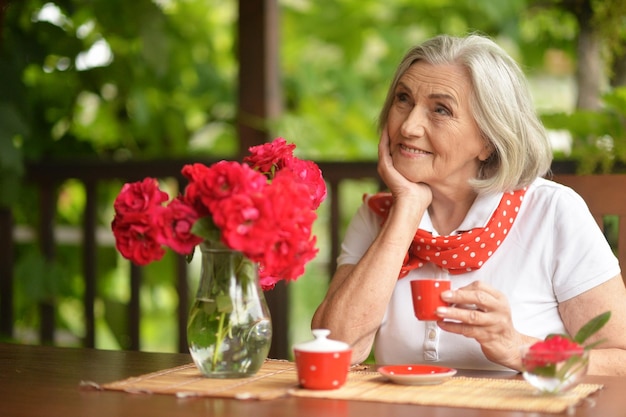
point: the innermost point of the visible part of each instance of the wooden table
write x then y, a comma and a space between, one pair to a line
45, 381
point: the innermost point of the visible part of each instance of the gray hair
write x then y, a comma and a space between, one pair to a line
501, 105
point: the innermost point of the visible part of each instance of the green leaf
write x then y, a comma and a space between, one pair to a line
209, 307
224, 303
206, 229
592, 327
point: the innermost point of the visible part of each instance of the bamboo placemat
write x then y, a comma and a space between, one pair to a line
278, 379
274, 380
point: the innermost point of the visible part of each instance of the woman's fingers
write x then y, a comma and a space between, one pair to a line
475, 296
476, 304
385, 163
481, 312
462, 314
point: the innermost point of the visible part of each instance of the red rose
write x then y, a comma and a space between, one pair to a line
135, 234
135, 238
309, 174
139, 196
291, 246
173, 224
195, 173
269, 157
244, 227
221, 180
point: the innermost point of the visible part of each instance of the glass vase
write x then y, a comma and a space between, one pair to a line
229, 330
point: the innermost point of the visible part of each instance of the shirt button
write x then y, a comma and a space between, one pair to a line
432, 334
431, 356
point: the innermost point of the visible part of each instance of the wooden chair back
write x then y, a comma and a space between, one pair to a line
605, 195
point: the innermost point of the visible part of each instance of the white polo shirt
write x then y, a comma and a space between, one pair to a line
554, 251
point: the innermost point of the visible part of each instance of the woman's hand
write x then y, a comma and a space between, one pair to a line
398, 185
481, 312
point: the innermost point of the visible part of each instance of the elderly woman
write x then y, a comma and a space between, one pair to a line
462, 151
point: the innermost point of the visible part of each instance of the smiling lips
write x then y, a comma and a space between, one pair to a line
413, 150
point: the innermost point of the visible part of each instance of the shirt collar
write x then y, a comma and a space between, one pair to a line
478, 215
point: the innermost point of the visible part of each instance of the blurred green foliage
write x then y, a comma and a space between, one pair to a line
114, 79
598, 137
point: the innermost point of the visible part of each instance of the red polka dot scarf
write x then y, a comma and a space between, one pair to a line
465, 252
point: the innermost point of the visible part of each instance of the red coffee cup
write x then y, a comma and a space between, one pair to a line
426, 294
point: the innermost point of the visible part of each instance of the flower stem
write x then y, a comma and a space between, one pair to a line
219, 339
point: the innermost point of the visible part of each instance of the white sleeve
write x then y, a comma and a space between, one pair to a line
361, 232
583, 257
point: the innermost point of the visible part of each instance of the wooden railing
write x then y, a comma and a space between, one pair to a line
92, 174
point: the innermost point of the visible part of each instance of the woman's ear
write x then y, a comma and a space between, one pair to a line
487, 151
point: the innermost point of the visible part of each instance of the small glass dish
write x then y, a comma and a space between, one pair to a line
554, 372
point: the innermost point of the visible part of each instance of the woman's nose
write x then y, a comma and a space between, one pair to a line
414, 124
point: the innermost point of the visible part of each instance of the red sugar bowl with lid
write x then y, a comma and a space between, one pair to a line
322, 363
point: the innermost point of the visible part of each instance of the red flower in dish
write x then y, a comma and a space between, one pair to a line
551, 351
558, 363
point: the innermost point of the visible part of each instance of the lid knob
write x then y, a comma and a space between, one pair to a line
321, 343
320, 333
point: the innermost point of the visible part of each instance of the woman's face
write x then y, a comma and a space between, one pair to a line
433, 136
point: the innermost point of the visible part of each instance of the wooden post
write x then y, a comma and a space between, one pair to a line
90, 249
259, 94
47, 210
4, 4
259, 101
6, 272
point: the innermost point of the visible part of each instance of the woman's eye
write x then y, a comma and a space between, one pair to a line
402, 97
442, 110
